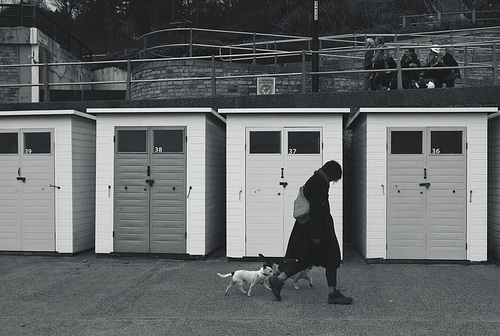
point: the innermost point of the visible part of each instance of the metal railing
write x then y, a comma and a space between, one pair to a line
27, 15
469, 51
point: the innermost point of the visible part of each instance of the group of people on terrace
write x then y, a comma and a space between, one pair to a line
381, 58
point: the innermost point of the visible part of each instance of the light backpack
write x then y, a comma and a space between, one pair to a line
301, 207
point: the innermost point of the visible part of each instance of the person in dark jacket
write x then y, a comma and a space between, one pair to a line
451, 74
315, 242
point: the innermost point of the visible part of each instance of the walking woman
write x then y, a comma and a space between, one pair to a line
315, 242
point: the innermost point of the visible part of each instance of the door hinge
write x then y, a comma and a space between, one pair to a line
466, 246
113, 234
114, 138
186, 138
467, 145
185, 235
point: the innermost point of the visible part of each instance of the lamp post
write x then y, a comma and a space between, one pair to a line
315, 46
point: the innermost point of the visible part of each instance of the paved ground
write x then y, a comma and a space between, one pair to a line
91, 295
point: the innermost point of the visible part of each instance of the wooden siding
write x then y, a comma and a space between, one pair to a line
494, 187
65, 217
83, 150
215, 176
235, 147
359, 185
196, 172
476, 124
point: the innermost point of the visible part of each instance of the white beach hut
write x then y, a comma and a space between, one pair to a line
420, 183
494, 185
271, 152
47, 181
160, 180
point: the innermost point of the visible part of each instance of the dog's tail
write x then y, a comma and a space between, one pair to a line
225, 275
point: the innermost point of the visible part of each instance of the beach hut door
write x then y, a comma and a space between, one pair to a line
426, 194
278, 162
27, 191
150, 190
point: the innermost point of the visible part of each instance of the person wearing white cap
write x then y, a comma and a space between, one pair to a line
434, 60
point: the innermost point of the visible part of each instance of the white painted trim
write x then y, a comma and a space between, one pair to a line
151, 110
46, 113
427, 109
284, 110
494, 115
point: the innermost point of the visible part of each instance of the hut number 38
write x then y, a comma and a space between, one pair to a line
436, 151
158, 149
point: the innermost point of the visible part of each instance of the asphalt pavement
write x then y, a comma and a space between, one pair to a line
88, 294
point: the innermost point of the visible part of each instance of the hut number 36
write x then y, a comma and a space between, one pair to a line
158, 149
435, 151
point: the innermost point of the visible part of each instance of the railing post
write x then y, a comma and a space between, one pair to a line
399, 77
254, 49
214, 91
275, 54
191, 42
128, 84
466, 63
304, 84
494, 62
404, 21
46, 95
473, 16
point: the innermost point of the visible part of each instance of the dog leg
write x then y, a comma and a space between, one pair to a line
229, 286
250, 288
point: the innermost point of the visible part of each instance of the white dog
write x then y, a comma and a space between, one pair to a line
277, 263
251, 277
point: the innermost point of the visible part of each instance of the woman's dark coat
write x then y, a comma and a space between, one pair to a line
319, 226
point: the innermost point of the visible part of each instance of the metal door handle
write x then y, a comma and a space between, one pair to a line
58, 187
150, 182
427, 185
284, 184
21, 178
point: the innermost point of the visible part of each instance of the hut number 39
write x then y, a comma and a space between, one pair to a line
158, 149
435, 151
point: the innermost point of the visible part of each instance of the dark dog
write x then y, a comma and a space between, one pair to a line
278, 264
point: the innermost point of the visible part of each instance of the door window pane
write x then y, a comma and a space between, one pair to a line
265, 142
8, 143
446, 142
406, 142
37, 143
168, 141
303, 143
131, 141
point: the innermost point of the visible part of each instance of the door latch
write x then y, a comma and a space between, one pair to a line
21, 178
150, 182
58, 187
284, 184
427, 185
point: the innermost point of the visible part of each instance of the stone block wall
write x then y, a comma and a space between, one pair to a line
9, 55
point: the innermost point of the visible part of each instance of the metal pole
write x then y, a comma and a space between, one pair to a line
315, 46
304, 84
400, 72
213, 77
46, 96
254, 50
494, 63
191, 42
128, 85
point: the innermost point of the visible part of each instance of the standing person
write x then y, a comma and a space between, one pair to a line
369, 43
315, 242
451, 74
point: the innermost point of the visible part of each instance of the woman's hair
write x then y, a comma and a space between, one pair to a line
333, 170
